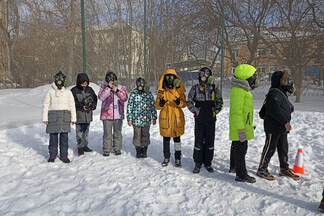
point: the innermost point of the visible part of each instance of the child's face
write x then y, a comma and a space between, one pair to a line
84, 84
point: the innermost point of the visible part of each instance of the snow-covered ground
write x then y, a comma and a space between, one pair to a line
123, 185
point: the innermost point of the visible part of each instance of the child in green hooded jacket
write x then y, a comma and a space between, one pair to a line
241, 118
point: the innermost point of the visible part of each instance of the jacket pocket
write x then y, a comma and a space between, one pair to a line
164, 122
180, 120
66, 116
52, 116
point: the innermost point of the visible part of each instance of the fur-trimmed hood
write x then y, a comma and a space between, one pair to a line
280, 78
244, 84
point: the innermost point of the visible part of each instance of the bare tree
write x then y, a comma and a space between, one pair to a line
9, 32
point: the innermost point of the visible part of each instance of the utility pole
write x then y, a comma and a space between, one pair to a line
83, 38
145, 63
222, 49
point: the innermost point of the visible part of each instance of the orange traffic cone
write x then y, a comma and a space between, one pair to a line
299, 165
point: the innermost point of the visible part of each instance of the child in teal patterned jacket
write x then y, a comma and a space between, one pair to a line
140, 113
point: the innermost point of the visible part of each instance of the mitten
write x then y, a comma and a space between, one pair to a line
242, 135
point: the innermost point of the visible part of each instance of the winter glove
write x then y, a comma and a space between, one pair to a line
162, 102
215, 113
176, 83
177, 100
242, 135
85, 108
93, 107
211, 80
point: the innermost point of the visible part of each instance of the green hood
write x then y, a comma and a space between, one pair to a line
244, 71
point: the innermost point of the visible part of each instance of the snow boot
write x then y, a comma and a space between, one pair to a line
51, 159
288, 172
106, 154
264, 173
166, 162
178, 163
321, 206
80, 151
177, 156
196, 170
144, 152
65, 160
138, 152
117, 152
87, 149
247, 178
209, 169
232, 170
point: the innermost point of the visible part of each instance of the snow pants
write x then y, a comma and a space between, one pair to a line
141, 136
240, 149
112, 136
204, 143
82, 132
272, 142
53, 145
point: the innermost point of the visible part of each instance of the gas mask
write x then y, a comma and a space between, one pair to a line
59, 80
140, 84
111, 76
204, 73
253, 81
168, 80
286, 82
290, 87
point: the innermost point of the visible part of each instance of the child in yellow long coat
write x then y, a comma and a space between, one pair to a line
170, 100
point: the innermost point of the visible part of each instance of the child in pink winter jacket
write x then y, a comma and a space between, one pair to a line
113, 97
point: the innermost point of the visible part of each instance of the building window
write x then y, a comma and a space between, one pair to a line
235, 53
261, 69
261, 51
273, 51
273, 68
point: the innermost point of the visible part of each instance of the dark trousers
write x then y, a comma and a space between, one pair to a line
166, 147
204, 143
232, 155
272, 142
240, 149
82, 132
53, 145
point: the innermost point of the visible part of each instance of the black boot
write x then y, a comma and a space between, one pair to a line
86, 149
144, 152
80, 151
138, 152
197, 168
246, 178
178, 163
177, 157
166, 162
